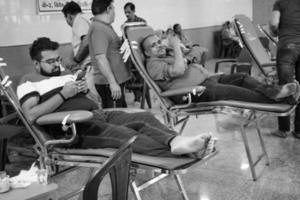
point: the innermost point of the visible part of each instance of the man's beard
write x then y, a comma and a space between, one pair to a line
55, 72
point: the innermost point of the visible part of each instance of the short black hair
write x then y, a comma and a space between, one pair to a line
71, 8
130, 5
100, 6
41, 44
175, 26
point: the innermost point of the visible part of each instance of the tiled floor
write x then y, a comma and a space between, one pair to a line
227, 175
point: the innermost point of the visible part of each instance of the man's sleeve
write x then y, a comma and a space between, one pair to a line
158, 70
25, 90
81, 28
99, 41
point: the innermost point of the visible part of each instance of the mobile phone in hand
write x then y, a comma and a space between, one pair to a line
80, 74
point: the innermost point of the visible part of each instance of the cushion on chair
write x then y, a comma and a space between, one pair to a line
167, 163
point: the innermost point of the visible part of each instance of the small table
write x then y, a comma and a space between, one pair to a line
35, 191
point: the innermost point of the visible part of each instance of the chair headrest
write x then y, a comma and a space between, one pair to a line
138, 33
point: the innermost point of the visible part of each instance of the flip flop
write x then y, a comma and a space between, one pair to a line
209, 147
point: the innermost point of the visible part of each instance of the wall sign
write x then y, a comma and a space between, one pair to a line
49, 6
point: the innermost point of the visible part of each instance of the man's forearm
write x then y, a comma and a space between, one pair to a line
179, 60
105, 69
44, 108
83, 50
274, 22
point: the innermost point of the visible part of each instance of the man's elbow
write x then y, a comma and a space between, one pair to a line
274, 29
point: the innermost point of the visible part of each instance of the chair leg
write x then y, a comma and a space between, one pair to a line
143, 95
135, 191
3, 155
147, 96
180, 186
246, 144
262, 143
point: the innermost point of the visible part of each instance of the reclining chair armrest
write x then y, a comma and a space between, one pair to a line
57, 118
185, 90
223, 61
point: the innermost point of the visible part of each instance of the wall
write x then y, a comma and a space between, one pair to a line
22, 24
262, 11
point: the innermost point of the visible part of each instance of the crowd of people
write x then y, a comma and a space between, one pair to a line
96, 53
172, 60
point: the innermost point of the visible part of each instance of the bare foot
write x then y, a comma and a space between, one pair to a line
189, 144
286, 90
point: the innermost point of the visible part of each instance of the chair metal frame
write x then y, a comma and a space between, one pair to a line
264, 28
174, 115
50, 154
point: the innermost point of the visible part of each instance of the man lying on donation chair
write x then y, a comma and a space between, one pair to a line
52, 90
171, 71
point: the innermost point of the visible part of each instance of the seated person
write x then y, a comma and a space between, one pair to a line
51, 90
172, 72
230, 39
193, 52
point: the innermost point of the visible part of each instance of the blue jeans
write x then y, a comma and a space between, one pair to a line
240, 86
288, 69
112, 129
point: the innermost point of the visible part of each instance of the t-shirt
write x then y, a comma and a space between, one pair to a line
158, 70
80, 28
136, 19
104, 40
289, 25
45, 87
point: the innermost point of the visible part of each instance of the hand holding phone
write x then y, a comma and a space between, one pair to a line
80, 74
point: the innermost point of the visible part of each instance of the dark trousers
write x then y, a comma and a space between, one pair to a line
107, 100
241, 87
288, 69
112, 129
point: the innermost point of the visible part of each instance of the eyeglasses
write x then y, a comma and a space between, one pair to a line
155, 44
52, 61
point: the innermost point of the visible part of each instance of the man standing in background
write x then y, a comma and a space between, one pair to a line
285, 23
81, 59
129, 9
104, 45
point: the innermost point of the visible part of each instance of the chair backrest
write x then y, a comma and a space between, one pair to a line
117, 166
135, 33
250, 39
39, 135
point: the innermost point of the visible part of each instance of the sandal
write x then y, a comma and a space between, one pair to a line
209, 147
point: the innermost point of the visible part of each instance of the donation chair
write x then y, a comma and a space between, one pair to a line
251, 42
174, 114
52, 155
117, 166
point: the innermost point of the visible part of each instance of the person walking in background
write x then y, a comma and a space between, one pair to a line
80, 59
111, 73
285, 23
